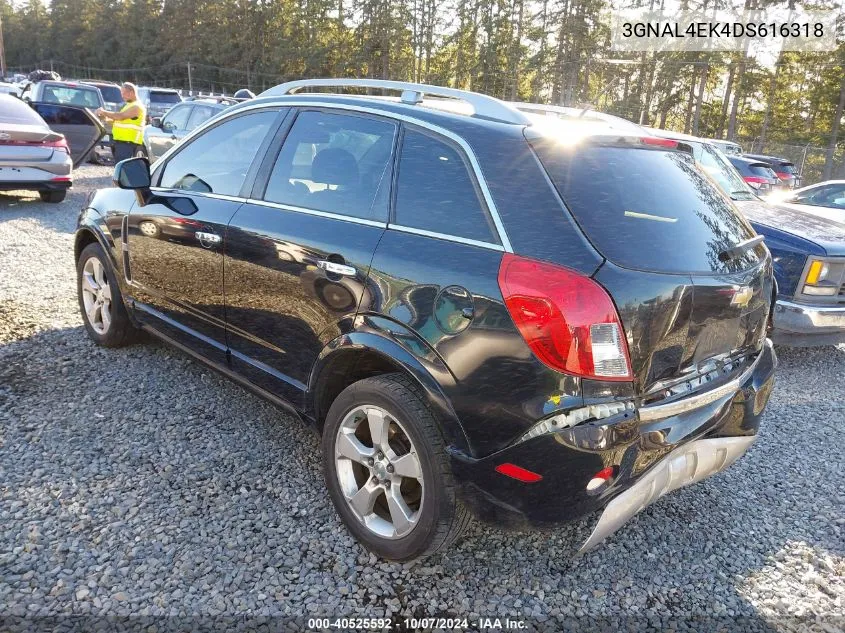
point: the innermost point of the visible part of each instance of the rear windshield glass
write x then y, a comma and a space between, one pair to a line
647, 209
111, 94
164, 97
762, 170
786, 168
16, 112
71, 95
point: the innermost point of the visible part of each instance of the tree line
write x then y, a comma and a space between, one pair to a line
552, 51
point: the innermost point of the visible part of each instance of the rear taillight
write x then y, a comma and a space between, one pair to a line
783, 175
567, 319
60, 144
757, 179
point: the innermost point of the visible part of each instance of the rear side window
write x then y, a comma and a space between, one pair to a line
335, 163
436, 192
60, 115
647, 209
218, 160
200, 115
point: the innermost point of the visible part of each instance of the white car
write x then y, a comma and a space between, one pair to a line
10, 89
824, 199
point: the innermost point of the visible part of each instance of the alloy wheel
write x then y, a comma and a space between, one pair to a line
96, 295
379, 472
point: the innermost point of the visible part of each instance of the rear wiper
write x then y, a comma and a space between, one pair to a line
735, 251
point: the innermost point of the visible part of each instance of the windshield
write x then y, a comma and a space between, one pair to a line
647, 209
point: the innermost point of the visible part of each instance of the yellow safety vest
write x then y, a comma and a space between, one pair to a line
130, 130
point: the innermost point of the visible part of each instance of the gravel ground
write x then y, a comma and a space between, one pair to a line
135, 481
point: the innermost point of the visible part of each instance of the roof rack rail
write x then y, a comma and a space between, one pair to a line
412, 94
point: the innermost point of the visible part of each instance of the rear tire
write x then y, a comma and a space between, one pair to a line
407, 503
53, 197
100, 301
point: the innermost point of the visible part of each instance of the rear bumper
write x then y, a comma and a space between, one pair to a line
660, 451
806, 325
35, 185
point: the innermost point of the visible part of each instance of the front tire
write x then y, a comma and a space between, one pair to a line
388, 472
52, 197
100, 301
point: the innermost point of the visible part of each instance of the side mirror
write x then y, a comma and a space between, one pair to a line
156, 121
132, 173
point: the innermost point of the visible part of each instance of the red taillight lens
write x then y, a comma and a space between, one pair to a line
783, 175
757, 179
567, 319
60, 145
517, 472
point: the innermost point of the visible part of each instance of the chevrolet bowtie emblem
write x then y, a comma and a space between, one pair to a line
742, 296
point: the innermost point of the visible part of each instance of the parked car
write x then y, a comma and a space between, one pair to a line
784, 169
726, 147
64, 93
162, 133
32, 156
825, 199
511, 357
756, 173
158, 101
10, 89
808, 253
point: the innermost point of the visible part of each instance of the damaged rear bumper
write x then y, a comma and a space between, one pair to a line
686, 465
652, 450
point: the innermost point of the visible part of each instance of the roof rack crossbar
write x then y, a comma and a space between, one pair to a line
413, 94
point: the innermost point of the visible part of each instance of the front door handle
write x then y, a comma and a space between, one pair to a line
208, 239
337, 269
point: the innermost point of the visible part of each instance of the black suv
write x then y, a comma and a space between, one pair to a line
487, 313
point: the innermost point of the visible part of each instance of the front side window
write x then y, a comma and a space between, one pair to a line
218, 160
177, 118
337, 163
200, 115
436, 192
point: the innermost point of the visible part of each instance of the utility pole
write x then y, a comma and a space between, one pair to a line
2, 52
190, 82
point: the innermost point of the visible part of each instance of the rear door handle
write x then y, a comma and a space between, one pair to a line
337, 269
207, 239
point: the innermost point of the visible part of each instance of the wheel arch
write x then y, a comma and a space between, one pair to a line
358, 355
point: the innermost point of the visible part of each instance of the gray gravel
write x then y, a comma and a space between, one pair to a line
136, 481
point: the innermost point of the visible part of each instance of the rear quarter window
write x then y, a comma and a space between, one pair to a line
647, 209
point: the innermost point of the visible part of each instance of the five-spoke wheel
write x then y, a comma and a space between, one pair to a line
388, 471
379, 471
96, 295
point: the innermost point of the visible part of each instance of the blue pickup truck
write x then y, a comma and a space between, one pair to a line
808, 253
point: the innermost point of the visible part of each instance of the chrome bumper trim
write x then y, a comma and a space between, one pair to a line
685, 465
807, 319
696, 401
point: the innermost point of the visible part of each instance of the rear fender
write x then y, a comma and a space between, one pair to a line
402, 350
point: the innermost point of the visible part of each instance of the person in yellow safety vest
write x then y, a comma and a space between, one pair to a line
128, 127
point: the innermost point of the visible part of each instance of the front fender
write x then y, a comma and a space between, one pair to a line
398, 347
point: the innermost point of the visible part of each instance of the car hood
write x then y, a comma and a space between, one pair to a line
826, 233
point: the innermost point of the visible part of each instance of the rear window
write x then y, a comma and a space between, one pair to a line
88, 97
762, 170
164, 97
16, 112
786, 168
647, 209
